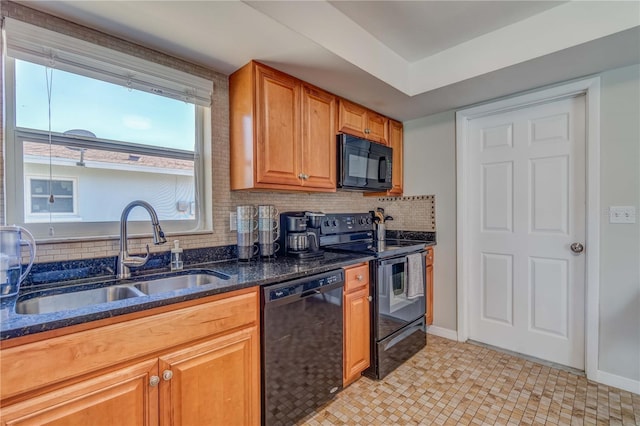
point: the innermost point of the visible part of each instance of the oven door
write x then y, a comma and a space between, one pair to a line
394, 309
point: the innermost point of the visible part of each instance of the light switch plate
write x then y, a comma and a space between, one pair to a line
233, 221
622, 214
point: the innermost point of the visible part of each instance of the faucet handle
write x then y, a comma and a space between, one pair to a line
135, 261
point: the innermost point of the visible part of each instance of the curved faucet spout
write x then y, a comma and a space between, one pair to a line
124, 260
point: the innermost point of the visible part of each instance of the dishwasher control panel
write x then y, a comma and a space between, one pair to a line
303, 286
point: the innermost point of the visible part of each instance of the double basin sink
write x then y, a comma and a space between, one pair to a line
47, 304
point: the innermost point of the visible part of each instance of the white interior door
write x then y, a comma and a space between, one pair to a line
527, 201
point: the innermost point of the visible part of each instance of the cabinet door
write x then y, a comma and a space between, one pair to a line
396, 142
356, 334
318, 138
277, 128
377, 128
121, 397
429, 278
213, 383
352, 119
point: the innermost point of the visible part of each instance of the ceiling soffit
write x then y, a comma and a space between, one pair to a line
561, 27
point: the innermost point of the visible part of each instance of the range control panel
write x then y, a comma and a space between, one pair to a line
339, 223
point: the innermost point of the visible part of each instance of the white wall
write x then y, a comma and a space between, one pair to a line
430, 169
103, 193
620, 243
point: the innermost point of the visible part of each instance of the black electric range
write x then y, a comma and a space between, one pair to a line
398, 328
380, 249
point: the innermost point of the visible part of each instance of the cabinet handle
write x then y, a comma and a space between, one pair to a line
370, 299
359, 277
167, 375
153, 381
305, 177
300, 176
367, 131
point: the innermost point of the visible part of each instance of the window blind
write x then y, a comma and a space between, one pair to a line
35, 44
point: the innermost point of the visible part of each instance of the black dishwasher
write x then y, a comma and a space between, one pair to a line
302, 346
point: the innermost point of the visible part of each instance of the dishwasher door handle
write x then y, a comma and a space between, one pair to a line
309, 293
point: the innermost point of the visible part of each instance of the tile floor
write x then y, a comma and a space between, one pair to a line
451, 383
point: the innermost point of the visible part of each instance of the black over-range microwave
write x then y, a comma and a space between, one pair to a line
363, 165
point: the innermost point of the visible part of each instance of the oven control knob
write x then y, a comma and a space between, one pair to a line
335, 222
368, 221
327, 223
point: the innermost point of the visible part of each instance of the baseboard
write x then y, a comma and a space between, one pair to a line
442, 332
616, 381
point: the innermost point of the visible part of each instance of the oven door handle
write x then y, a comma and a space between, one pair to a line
409, 331
393, 261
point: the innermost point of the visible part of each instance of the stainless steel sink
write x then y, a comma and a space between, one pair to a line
81, 299
165, 285
75, 300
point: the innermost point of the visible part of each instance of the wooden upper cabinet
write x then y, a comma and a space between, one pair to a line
362, 122
377, 128
282, 132
277, 128
318, 138
396, 143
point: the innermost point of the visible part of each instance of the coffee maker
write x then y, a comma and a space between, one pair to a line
300, 234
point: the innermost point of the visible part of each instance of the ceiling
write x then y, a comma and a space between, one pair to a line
405, 59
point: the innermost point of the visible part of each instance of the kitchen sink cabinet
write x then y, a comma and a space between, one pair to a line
357, 335
119, 397
362, 122
195, 363
212, 383
282, 132
429, 283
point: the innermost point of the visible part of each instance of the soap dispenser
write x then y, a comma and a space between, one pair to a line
176, 256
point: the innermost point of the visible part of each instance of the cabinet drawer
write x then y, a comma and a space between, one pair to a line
356, 277
34, 365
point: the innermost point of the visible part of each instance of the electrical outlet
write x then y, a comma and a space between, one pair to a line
233, 221
622, 214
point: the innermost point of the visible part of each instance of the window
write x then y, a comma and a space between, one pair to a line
40, 189
118, 128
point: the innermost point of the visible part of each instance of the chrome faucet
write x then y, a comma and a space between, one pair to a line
124, 260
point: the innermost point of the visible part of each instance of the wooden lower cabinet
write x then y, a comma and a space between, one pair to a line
197, 365
429, 279
119, 397
357, 332
213, 383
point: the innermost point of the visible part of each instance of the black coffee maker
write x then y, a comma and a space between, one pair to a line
300, 234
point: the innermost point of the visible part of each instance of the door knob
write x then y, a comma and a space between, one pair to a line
577, 248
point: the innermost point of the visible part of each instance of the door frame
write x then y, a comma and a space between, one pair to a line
589, 87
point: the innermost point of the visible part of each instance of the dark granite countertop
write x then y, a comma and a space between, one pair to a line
241, 275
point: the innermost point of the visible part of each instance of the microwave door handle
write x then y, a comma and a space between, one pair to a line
382, 169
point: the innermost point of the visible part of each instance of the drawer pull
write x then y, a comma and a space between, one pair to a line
359, 277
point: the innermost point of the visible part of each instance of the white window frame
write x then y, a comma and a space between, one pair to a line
15, 201
44, 215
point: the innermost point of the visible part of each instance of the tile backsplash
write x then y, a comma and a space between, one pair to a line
416, 213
